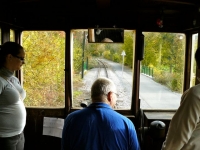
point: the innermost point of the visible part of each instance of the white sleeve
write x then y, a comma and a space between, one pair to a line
183, 122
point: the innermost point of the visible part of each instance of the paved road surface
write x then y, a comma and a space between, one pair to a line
152, 94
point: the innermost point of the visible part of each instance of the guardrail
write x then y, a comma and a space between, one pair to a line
147, 70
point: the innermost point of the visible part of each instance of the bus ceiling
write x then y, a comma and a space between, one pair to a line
162, 15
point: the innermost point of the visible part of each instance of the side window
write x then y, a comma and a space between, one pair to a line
193, 63
93, 60
162, 70
12, 35
43, 72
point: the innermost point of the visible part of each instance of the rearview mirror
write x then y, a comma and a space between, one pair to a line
106, 35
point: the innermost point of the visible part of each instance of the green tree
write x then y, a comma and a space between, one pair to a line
44, 69
165, 53
128, 48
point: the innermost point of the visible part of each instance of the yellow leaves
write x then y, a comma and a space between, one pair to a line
44, 69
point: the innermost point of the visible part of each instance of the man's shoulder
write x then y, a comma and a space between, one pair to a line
122, 117
195, 89
77, 113
191, 94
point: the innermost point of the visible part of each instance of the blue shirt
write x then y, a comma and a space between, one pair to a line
98, 127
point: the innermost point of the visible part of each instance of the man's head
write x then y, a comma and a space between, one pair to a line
104, 90
107, 40
197, 57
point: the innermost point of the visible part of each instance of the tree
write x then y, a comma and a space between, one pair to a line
44, 69
128, 47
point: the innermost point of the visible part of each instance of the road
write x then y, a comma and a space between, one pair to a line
152, 94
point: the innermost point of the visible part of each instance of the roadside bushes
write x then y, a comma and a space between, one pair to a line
171, 80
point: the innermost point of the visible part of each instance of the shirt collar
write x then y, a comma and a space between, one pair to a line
100, 105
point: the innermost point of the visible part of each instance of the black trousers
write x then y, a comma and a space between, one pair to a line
12, 143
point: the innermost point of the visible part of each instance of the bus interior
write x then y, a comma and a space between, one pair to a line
152, 42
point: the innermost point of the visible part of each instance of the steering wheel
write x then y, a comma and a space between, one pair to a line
140, 127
